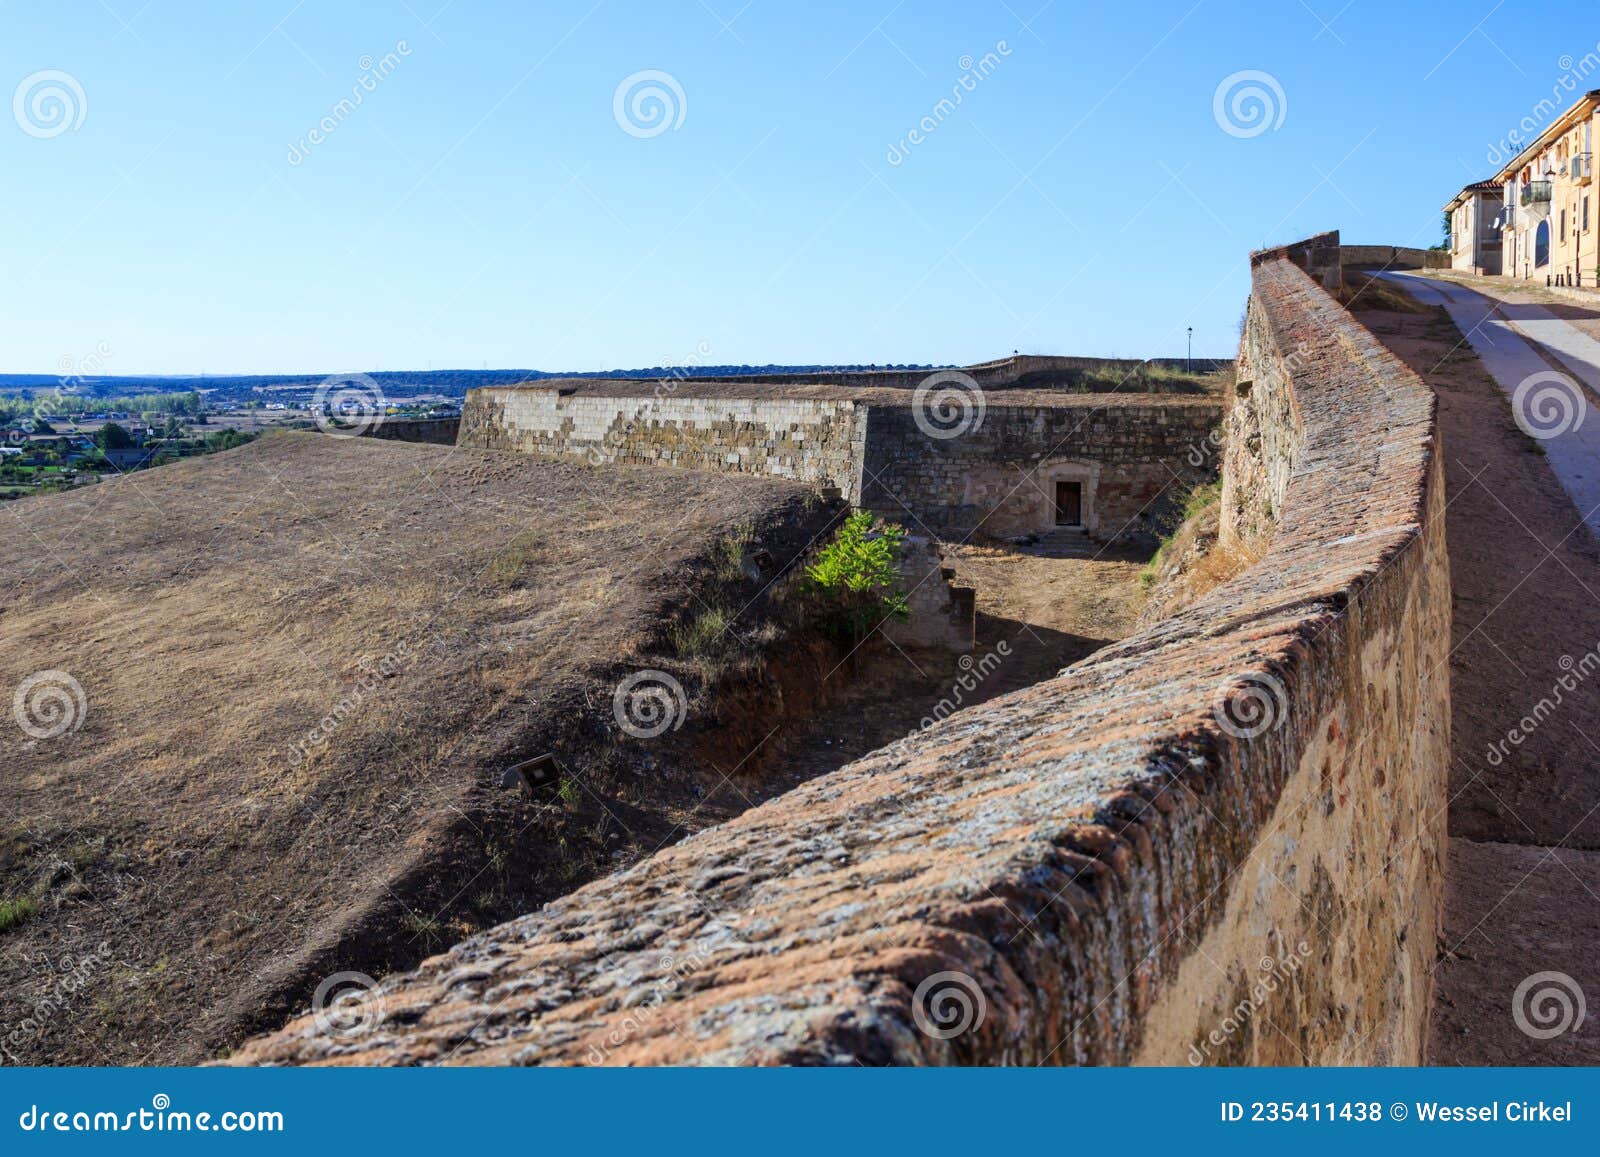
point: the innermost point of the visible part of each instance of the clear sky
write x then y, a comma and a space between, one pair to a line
486, 204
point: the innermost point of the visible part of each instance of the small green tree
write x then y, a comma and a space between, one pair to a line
227, 438
858, 575
112, 436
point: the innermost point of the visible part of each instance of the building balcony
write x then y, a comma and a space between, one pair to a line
1536, 197
1580, 169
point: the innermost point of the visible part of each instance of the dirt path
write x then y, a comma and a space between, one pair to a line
1521, 943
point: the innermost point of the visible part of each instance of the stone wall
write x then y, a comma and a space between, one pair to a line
804, 439
1263, 432
1132, 454
1218, 841
1394, 257
1133, 461
938, 614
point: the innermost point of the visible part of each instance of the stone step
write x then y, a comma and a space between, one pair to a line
1065, 543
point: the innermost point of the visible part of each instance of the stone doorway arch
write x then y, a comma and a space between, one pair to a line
1086, 476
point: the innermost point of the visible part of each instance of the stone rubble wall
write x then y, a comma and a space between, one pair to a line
1218, 841
1135, 461
805, 440
1136, 456
1394, 257
938, 614
1262, 434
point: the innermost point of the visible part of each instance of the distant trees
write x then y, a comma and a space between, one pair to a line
189, 403
111, 436
227, 439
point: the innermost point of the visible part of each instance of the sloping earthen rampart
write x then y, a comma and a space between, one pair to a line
1217, 841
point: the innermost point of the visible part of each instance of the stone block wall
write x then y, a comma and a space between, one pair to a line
1132, 460
803, 439
938, 614
1218, 841
1394, 257
1263, 431
1133, 455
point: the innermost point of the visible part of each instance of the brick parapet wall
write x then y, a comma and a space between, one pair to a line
1119, 864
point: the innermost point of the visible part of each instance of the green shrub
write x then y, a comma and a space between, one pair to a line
858, 577
227, 439
15, 912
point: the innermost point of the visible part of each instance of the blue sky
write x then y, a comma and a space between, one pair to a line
483, 205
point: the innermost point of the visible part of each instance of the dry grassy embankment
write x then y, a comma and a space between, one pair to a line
467, 609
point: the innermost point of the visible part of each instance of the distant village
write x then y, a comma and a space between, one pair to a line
52, 441
57, 433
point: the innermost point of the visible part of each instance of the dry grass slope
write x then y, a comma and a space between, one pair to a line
464, 608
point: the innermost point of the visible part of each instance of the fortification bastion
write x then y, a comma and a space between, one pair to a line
1239, 808
993, 461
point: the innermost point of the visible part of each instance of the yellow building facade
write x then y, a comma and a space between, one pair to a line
1548, 226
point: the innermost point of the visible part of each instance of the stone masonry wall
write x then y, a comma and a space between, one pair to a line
807, 440
1133, 454
1394, 256
1218, 841
1132, 461
1262, 435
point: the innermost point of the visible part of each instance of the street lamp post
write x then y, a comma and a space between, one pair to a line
1188, 358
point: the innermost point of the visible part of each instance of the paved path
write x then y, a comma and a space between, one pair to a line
1567, 416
